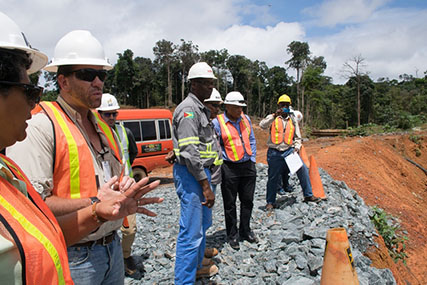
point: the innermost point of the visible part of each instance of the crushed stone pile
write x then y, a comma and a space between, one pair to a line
291, 240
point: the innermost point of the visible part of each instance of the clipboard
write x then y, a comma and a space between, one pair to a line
294, 162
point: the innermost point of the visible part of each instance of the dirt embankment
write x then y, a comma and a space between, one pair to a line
377, 168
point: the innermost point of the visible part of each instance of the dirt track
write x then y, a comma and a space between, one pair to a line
376, 168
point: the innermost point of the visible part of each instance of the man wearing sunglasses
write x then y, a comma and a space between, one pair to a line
70, 151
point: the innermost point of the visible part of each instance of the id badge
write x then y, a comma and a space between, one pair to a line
107, 170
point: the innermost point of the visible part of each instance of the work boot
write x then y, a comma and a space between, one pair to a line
311, 199
211, 252
234, 243
207, 261
251, 237
207, 271
281, 191
132, 270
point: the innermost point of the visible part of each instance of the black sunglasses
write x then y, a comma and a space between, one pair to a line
32, 92
216, 105
109, 114
89, 74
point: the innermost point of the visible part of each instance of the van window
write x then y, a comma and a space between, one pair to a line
164, 129
148, 130
135, 129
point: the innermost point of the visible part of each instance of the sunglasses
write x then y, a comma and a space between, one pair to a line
89, 74
109, 114
32, 92
216, 105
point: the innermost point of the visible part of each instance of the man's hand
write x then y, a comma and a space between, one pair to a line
171, 157
207, 192
278, 112
109, 190
129, 202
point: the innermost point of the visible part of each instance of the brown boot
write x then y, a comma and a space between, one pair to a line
211, 252
207, 261
207, 271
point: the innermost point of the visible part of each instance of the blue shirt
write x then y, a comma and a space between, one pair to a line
236, 124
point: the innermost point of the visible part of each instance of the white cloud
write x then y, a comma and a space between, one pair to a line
332, 12
390, 47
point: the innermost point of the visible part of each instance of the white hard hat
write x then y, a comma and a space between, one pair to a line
78, 47
298, 116
201, 70
12, 38
215, 97
108, 103
235, 98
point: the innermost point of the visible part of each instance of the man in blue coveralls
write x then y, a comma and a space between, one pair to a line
196, 151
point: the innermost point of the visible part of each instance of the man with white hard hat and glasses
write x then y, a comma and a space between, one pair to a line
238, 145
109, 111
70, 152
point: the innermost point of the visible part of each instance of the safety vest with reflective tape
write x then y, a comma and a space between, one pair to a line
124, 142
234, 148
74, 172
277, 136
34, 231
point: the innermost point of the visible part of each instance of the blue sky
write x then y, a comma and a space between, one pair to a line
390, 35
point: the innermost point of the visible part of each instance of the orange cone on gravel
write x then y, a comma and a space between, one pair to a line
338, 264
316, 182
304, 156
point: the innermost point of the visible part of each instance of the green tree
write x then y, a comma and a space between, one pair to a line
188, 55
124, 73
164, 55
300, 52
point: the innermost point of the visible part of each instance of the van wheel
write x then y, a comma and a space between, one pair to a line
138, 174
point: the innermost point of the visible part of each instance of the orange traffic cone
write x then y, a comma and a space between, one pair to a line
304, 156
338, 264
316, 182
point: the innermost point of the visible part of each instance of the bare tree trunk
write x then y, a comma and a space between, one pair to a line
358, 101
298, 101
182, 84
169, 99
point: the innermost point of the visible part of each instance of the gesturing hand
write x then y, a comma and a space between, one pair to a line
129, 201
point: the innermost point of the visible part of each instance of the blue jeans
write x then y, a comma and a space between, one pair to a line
277, 166
193, 223
97, 264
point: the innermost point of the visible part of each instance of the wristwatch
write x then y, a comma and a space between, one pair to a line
94, 199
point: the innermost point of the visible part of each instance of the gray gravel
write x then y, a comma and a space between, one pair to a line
291, 240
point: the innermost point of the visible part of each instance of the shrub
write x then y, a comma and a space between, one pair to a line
389, 228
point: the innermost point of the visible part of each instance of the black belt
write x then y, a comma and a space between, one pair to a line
102, 241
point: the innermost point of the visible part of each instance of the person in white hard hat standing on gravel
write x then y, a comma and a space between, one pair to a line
108, 111
70, 152
238, 145
195, 149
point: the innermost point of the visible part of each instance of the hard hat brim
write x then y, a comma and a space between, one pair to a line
53, 66
39, 59
235, 103
112, 108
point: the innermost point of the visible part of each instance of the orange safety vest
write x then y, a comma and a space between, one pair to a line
234, 148
276, 134
74, 172
35, 232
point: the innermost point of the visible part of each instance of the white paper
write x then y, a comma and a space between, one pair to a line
294, 162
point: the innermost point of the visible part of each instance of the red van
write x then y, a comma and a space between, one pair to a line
152, 129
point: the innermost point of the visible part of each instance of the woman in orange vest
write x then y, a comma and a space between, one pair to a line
32, 244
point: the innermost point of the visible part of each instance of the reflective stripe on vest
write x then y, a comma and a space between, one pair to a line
277, 136
34, 228
105, 128
124, 142
74, 172
234, 148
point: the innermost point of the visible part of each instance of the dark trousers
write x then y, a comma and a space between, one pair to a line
238, 178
